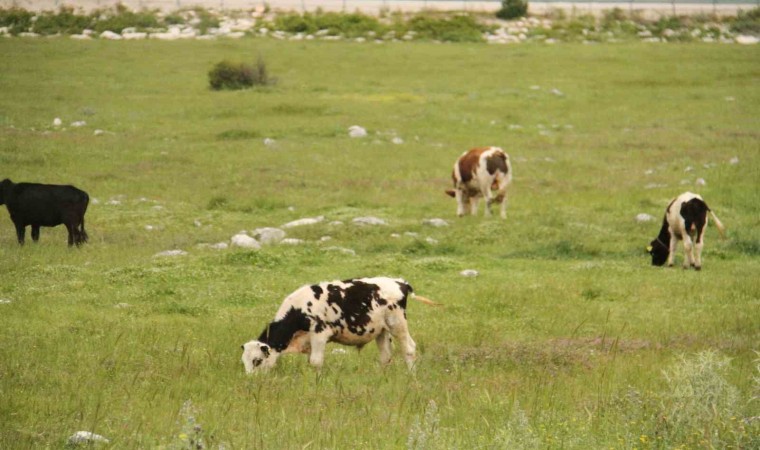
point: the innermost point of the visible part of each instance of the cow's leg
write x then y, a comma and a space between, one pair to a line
35, 233
474, 201
501, 198
384, 345
671, 249
688, 252
698, 248
72, 233
20, 233
400, 331
462, 199
318, 343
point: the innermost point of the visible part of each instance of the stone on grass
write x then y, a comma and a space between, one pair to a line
397, 140
244, 241
431, 241
746, 39
344, 250
435, 222
734, 160
304, 221
292, 241
87, 438
78, 123
5, 301
122, 305
644, 217
170, 253
57, 122
268, 235
269, 142
369, 220
110, 35
355, 131
700, 182
219, 246
469, 273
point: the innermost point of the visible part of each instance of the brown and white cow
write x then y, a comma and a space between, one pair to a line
685, 219
350, 312
481, 172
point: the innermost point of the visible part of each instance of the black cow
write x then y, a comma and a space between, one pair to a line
45, 205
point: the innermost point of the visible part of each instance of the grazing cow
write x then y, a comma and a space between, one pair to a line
685, 219
481, 172
45, 205
350, 312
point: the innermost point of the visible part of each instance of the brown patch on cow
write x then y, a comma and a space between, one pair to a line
496, 163
469, 162
300, 343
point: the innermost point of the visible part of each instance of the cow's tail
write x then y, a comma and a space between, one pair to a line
425, 300
83, 237
718, 224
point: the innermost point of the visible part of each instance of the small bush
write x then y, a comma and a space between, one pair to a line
454, 29
233, 76
65, 21
747, 22
512, 9
17, 20
121, 18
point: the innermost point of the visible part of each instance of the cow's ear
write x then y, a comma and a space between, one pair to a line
265, 350
649, 249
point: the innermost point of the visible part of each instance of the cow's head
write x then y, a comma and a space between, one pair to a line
659, 252
257, 355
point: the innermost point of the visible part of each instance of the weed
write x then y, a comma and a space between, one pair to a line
425, 433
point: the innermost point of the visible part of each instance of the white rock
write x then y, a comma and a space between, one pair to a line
171, 253
269, 142
336, 223
469, 273
347, 251
369, 220
80, 37
688, 169
78, 123
113, 202
435, 222
57, 122
557, 92
411, 234
5, 301
121, 305
99, 133
355, 131
304, 221
110, 35
746, 39
268, 235
292, 241
395, 235
397, 140
325, 238
244, 241
219, 246
133, 36
700, 182
734, 160
431, 241
197, 223
86, 437
644, 217
149, 227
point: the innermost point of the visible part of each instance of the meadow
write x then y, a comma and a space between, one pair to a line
567, 339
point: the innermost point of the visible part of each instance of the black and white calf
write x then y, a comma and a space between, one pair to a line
350, 312
45, 205
685, 219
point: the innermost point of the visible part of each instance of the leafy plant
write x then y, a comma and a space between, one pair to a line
512, 9
233, 76
18, 20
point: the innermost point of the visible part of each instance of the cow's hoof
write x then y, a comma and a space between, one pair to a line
697, 268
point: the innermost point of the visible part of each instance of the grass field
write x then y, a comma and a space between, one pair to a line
568, 338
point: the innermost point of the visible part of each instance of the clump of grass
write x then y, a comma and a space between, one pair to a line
121, 17
460, 28
235, 75
425, 433
190, 436
517, 432
18, 20
65, 21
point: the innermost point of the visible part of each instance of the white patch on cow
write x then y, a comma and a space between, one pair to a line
268, 235
369, 220
170, 253
644, 217
304, 221
244, 241
435, 222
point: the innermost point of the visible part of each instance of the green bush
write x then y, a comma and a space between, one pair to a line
65, 21
17, 20
121, 18
512, 9
232, 76
747, 22
455, 29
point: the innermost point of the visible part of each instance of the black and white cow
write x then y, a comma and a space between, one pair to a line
685, 219
45, 205
481, 172
350, 312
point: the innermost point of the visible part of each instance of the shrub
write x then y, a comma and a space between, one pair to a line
233, 76
747, 22
455, 29
512, 9
121, 18
17, 20
65, 21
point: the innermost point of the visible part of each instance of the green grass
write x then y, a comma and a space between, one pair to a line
564, 339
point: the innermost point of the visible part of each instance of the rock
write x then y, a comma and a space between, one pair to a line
99, 133
397, 140
170, 253
292, 241
369, 220
325, 238
557, 92
78, 123
469, 273
110, 35
347, 251
5, 301
219, 246
395, 235
431, 241
336, 223
149, 227
411, 234
688, 169
700, 182
133, 36
57, 122
734, 160
644, 217
80, 37
304, 221
268, 235
87, 437
197, 223
122, 305
244, 241
746, 39
269, 142
355, 131
436, 222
